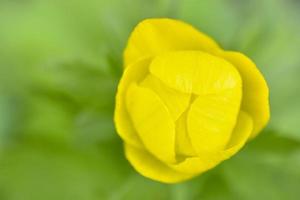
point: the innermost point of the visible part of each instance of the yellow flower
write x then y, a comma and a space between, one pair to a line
184, 104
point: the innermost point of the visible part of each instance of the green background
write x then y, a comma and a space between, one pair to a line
60, 62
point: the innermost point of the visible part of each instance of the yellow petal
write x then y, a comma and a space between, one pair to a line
183, 143
240, 135
125, 129
206, 161
195, 72
255, 90
150, 167
212, 118
196, 165
152, 121
152, 37
177, 102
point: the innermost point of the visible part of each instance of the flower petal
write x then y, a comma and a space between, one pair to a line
255, 90
125, 129
197, 165
206, 161
211, 120
152, 37
240, 134
150, 167
152, 122
183, 145
177, 102
195, 72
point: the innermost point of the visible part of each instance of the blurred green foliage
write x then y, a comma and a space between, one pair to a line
60, 62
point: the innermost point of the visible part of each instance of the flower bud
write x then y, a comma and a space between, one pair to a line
183, 104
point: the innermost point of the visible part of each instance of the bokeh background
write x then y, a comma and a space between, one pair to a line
60, 62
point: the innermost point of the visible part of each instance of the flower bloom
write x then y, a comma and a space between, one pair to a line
184, 104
